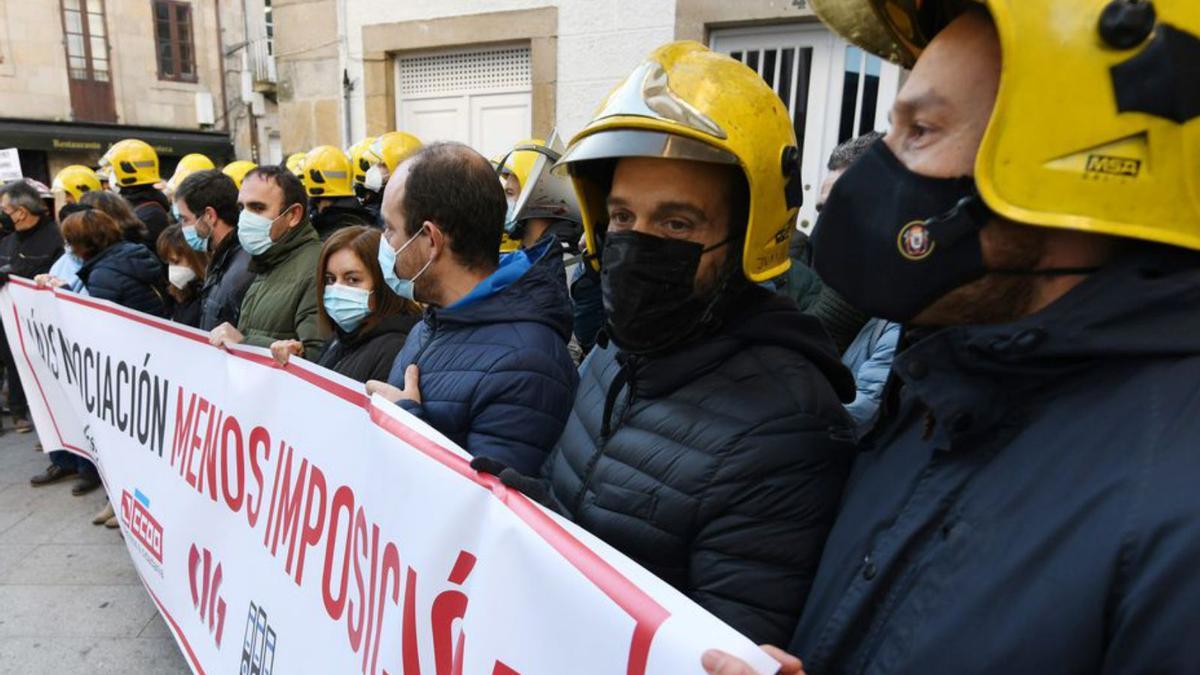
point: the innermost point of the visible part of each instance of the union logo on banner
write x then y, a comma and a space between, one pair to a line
147, 531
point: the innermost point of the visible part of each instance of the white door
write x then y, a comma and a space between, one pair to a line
480, 97
819, 78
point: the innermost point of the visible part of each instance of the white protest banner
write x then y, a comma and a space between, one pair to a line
10, 165
284, 522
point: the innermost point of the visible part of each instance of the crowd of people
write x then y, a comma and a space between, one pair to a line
947, 432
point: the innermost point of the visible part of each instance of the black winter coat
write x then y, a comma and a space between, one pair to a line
151, 207
343, 212
1028, 502
188, 313
368, 353
130, 275
225, 284
719, 466
32, 252
496, 376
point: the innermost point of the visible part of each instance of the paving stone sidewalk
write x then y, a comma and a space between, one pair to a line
70, 601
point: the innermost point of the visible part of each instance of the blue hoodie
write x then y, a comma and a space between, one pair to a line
496, 376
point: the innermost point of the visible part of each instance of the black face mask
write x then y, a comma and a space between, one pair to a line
6, 222
648, 285
892, 242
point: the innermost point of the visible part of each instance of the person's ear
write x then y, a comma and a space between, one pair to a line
437, 239
298, 218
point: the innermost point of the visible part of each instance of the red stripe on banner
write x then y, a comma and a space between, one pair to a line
42, 392
187, 647
645, 611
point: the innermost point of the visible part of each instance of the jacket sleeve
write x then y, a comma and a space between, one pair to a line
872, 375
773, 500
520, 407
103, 284
1154, 620
307, 330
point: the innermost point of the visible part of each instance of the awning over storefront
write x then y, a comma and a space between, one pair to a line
91, 137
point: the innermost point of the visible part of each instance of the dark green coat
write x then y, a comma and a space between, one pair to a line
281, 304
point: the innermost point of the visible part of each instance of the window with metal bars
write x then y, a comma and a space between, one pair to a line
173, 40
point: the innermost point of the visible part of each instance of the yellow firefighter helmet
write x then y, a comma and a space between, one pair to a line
238, 170
520, 162
391, 149
295, 164
358, 160
1097, 121
76, 180
687, 102
187, 166
131, 162
327, 173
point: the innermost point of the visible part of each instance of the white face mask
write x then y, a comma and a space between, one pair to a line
180, 275
374, 179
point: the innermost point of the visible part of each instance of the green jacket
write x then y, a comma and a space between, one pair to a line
281, 304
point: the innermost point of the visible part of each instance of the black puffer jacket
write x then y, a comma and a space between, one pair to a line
128, 274
33, 251
151, 207
342, 213
368, 353
225, 284
719, 466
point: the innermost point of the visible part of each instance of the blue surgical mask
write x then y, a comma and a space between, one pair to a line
510, 217
254, 231
347, 306
71, 255
194, 240
387, 261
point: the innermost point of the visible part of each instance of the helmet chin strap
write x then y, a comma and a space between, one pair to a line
1047, 272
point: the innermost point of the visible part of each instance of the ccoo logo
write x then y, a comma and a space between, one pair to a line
205, 580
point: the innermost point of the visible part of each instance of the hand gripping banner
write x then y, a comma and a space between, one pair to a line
282, 521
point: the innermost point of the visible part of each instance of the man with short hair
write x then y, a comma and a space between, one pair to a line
708, 418
330, 184
1028, 501
31, 246
273, 227
869, 355
207, 202
133, 166
488, 367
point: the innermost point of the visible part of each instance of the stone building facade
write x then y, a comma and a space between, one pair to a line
185, 75
493, 72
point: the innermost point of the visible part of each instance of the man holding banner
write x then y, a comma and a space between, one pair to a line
1028, 502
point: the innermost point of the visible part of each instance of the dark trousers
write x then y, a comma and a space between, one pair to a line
69, 460
16, 394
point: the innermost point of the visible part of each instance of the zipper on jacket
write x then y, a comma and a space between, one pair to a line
623, 378
431, 319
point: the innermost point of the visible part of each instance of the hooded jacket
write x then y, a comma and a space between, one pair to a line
151, 207
225, 283
281, 303
1028, 503
368, 353
130, 275
343, 212
31, 252
717, 466
496, 376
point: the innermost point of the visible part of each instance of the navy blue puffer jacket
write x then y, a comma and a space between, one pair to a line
496, 376
128, 274
717, 466
1028, 501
